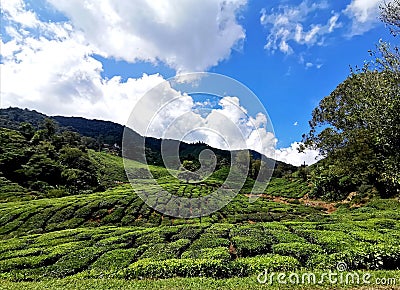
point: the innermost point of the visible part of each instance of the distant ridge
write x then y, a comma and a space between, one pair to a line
111, 133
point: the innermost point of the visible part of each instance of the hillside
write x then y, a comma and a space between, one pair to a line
69, 216
110, 133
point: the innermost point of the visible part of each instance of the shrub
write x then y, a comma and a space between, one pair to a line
221, 230
209, 241
166, 251
218, 253
147, 268
385, 223
286, 237
301, 251
331, 241
251, 246
62, 215
21, 253
360, 256
188, 232
23, 262
251, 241
254, 265
151, 238
74, 262
115, 259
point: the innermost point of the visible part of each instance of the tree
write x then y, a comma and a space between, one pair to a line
14, 152
27, 130
390, 15
360, 122
49, 127
188, 167
242, 161
41, 167
357, 127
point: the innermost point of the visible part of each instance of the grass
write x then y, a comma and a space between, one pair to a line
187, 283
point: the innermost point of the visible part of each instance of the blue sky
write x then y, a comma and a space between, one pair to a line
94, 58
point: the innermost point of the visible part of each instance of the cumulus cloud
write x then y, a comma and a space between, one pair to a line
287, 25
59, 76
49, 66
292, 156
190, 35
175, 115
364, 15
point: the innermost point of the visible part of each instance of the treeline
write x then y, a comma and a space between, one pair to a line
48, 161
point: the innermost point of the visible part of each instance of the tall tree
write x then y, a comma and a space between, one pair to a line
357, 127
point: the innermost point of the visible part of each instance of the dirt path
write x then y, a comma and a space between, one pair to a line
270, 197
329, 207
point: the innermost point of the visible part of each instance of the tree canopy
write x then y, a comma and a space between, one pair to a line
357, 127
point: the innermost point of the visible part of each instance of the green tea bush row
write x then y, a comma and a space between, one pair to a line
164, 251
301, 251
147, 268
218, 253
115, 259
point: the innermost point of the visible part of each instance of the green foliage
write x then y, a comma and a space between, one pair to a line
115, 260
360, 134
217, 253
162, 251
301, 251
251, 241
74, 262
209, 267
176, 267
211, 250
258, 264
390, 12
45, 163
11, 191
291, 188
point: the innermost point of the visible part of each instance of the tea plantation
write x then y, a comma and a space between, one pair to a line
112, 239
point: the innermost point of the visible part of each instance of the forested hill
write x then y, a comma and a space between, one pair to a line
110, 133
106, 131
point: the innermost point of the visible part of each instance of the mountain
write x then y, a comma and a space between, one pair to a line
111, 133
106, 131
12, 118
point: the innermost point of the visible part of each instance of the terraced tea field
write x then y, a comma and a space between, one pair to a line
115, 235
113, 239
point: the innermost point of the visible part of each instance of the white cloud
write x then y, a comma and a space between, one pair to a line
175, 115
16, 10
49, 66
292, 156
364, 15
190, 35
286, 25
58, 76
